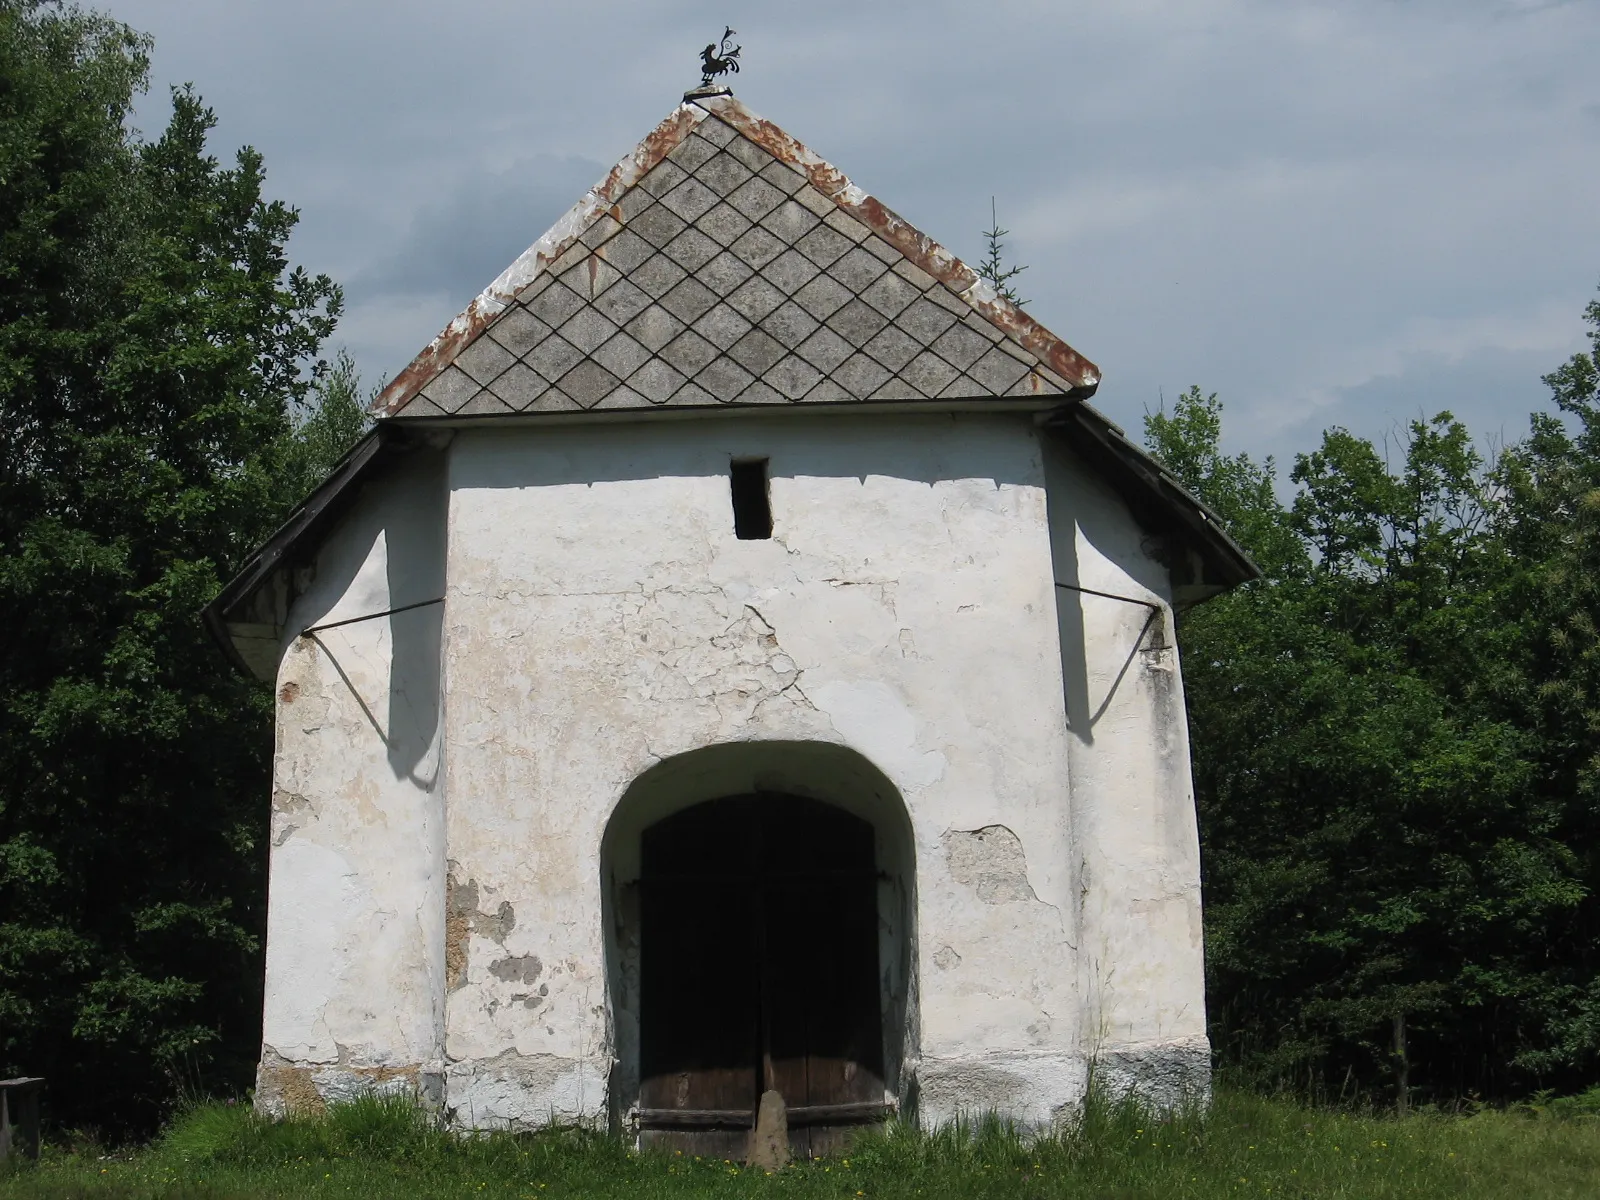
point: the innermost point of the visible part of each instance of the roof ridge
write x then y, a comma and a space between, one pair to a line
1079, 376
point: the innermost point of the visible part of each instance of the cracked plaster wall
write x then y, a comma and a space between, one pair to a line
602, 618
1135, 840
354, 999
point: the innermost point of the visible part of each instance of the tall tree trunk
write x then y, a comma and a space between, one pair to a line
1402, 1068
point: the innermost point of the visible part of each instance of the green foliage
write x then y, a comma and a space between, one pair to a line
1244, 1145
1242, 493
158, 360
993, 268
1394, 740
336, 421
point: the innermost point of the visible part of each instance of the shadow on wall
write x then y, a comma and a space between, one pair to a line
1086, 514
402, 518
922, 450
822, 771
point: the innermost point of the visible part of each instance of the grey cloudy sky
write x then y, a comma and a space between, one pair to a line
1328, 211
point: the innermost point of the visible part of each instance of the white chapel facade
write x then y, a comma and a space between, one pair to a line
739, 659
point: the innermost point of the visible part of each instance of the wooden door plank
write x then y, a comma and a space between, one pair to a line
759, 970
699, 1005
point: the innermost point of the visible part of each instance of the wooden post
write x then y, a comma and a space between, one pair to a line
769, 1140
1402, 1068
19, 1116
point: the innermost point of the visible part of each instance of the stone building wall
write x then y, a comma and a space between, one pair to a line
445, 889
1135, 840
355, 937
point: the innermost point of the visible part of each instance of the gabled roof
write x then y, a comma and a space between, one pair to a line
723, 264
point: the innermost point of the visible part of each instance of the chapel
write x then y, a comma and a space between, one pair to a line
739, 660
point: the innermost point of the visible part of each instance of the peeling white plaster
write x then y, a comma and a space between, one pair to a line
355, 939
1135, 839
992, 862
450, 862
525, 1092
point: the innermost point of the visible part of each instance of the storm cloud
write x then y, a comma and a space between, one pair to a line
1342, 212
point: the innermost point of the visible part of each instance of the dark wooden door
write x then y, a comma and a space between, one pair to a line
759, 969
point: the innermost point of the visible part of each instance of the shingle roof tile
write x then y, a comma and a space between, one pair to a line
692, 250
553, 357
692, 153
723, 263
587, 329
758, 248
519, 387
622, 356
823, 297
756, 299
857, 322
623, 302
750, 154
724, 224
723, 173
655, 327
518, 331
716, 132
484, 360
722, 326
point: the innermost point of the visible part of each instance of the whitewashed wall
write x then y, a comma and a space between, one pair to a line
443, 882
602, 617
355, 937
1135, 841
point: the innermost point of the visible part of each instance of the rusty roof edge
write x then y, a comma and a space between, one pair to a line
905, 237
497, 297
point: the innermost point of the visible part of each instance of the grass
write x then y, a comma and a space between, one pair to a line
1244, 1146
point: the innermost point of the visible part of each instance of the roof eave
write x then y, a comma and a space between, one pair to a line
672, 412
1159, 502
305, 524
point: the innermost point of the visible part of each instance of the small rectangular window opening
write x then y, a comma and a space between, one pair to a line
752, 511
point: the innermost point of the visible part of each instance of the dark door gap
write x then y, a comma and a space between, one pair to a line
746, 986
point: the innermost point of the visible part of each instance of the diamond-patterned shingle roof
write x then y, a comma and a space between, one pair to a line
724, 264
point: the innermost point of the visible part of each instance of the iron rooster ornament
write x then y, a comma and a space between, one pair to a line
719, 59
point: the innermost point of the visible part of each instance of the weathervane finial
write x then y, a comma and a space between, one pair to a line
720, 59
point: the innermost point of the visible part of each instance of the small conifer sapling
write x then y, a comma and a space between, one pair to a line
993, 268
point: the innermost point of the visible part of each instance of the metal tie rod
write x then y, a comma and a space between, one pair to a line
388, 612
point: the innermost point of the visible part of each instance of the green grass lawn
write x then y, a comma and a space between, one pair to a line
1245, 1146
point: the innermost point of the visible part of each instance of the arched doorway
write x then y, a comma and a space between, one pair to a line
758, 922
839, 783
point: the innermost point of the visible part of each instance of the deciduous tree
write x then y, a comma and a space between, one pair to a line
158, 360
1394, 736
